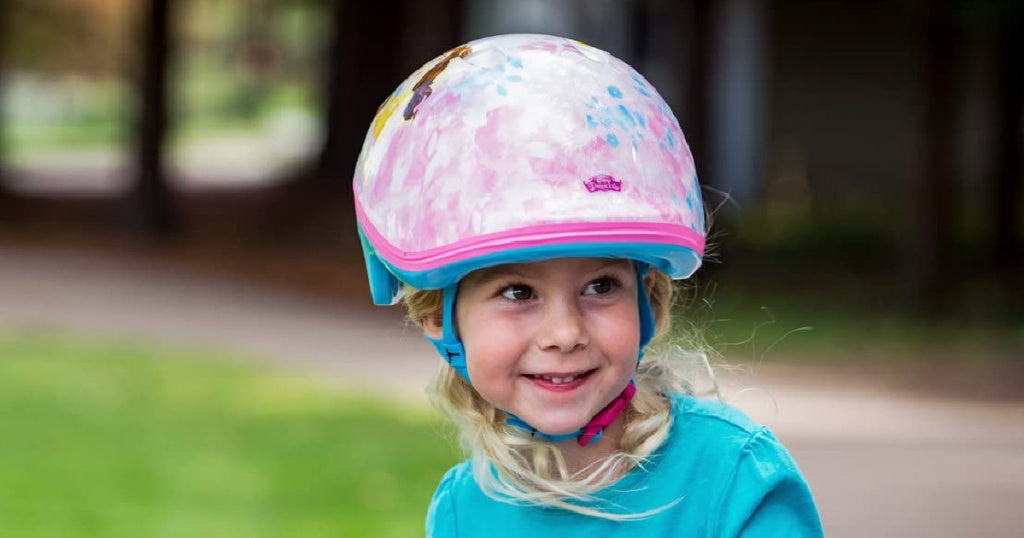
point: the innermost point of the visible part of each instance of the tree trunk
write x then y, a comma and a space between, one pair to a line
363, 70
698, 28
639, 13
432, 29
374, 45
151, 209
5, 194
931, 200
369, 57
1009, 146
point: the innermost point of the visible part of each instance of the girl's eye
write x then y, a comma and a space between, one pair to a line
600, 286
517, 292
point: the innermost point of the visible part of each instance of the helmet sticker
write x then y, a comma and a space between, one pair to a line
422, 89
603, 183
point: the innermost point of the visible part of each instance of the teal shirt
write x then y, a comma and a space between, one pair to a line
726, 475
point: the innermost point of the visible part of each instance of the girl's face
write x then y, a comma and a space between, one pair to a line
552, 342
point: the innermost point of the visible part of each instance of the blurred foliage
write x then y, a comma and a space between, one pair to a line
822, 282
99, 38
836, 324
43, 115
112, 439
82, 37
239, 59
239, 66
981, 13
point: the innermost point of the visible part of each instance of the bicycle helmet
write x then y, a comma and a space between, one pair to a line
518, 148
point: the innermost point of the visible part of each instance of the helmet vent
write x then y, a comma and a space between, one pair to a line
487, 58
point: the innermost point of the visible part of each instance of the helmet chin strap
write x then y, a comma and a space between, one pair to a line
454, 352
449, 345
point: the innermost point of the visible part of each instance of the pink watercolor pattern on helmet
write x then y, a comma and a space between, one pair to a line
502, 137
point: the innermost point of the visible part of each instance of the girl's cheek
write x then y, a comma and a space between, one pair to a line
624, 324
492, 327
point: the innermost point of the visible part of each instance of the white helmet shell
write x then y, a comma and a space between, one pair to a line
516, 148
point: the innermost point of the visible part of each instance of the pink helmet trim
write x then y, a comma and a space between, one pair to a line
530, 236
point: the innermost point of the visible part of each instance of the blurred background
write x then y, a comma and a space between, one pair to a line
187, 345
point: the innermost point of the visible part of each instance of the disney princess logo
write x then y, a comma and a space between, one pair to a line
603, 183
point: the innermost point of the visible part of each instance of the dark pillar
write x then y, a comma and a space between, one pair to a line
698, 29
1009, 146
362, 72
4, 192
150, 208
931, 201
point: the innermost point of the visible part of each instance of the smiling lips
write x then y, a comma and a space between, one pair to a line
559, 382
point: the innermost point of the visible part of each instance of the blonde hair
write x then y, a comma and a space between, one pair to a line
512, 466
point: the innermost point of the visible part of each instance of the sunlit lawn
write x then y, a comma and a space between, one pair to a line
111, 439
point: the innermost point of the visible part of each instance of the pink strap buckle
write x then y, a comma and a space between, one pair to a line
592, 431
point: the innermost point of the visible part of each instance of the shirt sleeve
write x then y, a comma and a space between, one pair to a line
441, 514
766, 495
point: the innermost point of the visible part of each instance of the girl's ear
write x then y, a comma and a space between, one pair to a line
649, 282
432, 326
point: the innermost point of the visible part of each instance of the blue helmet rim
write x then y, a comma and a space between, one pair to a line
386, 280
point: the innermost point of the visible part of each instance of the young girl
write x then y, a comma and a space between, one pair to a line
529, 198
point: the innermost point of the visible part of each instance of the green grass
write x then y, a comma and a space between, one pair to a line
111, 439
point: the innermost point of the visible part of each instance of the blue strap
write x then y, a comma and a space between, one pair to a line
513, 420
644, 306
449, 345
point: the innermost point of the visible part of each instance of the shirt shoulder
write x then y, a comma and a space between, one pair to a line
712, 414
441, 515
705, 433
757, 488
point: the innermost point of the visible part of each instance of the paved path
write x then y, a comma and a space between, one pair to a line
880, 463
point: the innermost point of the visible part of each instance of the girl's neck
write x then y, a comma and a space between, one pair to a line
579, 457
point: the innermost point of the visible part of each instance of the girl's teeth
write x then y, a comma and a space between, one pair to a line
559, 380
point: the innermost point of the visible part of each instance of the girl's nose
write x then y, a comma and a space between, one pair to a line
563, 328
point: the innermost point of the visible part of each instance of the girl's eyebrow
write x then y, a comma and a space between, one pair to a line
487, 275
611, 265
490, 274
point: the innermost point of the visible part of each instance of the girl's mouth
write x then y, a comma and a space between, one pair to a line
559, 382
